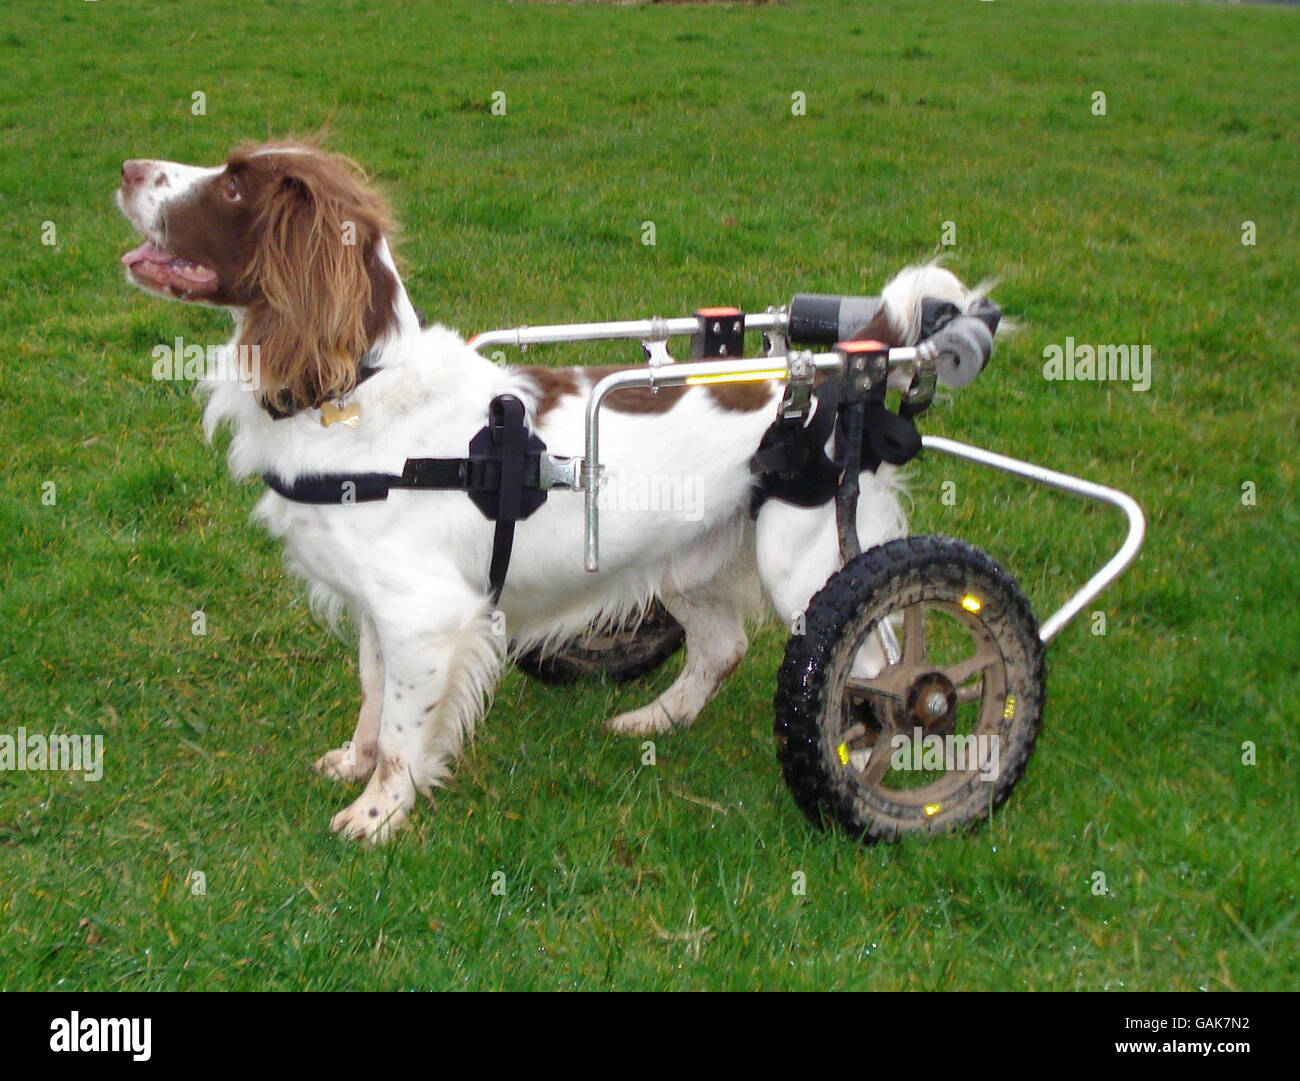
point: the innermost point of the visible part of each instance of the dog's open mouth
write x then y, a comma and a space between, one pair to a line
157, 269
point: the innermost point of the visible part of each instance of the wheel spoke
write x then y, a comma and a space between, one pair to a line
962, 671
914, 636
880, 756
972, 692
882, 686
853, 732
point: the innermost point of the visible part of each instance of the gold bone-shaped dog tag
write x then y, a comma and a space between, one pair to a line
349, 414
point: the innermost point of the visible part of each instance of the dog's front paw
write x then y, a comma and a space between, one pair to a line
381, 809
347, 763
649, 720
368, 820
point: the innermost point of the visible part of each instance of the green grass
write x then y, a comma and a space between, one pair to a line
1122, 228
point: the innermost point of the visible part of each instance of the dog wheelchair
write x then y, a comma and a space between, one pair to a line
935, 733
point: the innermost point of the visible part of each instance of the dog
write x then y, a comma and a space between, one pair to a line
295, 243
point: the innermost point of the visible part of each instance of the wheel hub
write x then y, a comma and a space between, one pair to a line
932, 704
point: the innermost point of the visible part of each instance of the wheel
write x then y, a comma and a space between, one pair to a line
912, 700
618, 655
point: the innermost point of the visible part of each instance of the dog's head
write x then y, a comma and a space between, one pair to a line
291, 237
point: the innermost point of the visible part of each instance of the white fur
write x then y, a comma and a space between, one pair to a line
412, 571
164, 182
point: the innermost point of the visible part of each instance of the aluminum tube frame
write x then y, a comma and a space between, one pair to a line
1062, 482
778, 368
656, 378
631, 329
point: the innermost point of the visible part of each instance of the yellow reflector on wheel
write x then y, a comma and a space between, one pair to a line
971, 604
932, 809
843, 751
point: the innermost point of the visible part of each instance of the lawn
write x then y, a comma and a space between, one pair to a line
803, 146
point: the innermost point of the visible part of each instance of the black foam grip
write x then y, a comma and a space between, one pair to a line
827, 318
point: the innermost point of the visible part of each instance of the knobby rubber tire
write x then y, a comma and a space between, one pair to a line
622, 654
838, 621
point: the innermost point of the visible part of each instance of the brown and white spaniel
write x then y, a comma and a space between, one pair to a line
293, 241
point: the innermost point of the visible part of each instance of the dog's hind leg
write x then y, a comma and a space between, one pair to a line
798, 550
355, 760
435, 682
715, 644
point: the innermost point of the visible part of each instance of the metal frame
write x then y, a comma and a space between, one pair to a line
1062, 482
647, 330
585, 473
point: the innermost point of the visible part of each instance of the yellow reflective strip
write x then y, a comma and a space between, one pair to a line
738, 377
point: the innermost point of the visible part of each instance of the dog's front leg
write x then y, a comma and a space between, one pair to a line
435, 681
355, 760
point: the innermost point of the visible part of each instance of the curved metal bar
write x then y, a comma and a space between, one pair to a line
591, 467
1062, 482
668, 375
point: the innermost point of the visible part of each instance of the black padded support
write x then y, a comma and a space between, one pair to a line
501, 475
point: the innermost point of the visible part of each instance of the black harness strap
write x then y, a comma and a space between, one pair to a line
341, 490
501, 475
506, 417
791, 463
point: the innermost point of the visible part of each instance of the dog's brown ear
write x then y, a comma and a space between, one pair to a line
324, 294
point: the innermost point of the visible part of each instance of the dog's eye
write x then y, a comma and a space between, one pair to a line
232, 191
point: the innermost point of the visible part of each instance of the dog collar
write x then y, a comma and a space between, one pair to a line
331, 412
279, 408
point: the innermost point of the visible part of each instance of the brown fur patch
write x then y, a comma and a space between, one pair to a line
553, 384
640, 400
325, 295
744, 397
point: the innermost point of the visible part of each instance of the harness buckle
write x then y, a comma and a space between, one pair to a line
557, 471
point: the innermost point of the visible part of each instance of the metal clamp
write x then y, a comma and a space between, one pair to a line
656, 352
775, 341
920, 392
798, 391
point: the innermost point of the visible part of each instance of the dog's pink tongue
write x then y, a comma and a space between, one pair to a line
148, 250
159, 269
